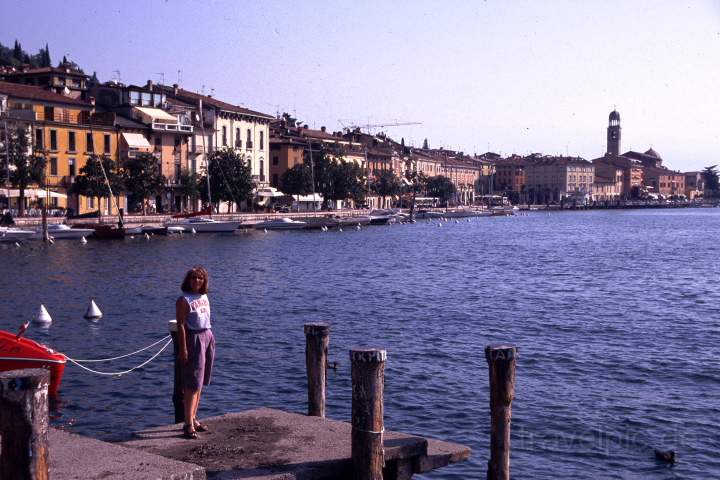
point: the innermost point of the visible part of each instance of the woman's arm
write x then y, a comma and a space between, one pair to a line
181, 311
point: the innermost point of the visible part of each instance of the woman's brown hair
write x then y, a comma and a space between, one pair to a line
196, 270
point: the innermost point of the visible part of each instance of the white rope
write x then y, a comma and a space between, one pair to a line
123, 356
125, 371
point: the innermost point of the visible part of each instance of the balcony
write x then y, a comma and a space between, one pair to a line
172, 127
25, 115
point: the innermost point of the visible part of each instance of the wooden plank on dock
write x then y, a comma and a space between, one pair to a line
271, 444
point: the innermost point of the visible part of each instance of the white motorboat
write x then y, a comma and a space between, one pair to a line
60, 231
281, 224
204, 224
12, 234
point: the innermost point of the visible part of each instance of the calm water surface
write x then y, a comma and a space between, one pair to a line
615, 315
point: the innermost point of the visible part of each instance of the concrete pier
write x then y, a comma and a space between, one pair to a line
268, 444
73, 457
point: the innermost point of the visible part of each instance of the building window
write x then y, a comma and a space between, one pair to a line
262, 166
90, 202
274, 180
248, 141
53, 139
90, 145
224, 136
238, 140
106, 143
39, 143
262, 140
158, 144
275, 160
71, 167
135, 98
71, 141
249, 164
53, 166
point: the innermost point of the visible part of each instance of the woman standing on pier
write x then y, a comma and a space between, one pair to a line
196, 343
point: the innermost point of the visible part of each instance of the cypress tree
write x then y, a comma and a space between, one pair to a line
18, 52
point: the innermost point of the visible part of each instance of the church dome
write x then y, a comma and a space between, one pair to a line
614, 115
653, 153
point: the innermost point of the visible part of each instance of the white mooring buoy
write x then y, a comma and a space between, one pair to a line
43, 316
93, 312
147, 237
83, 240
192, 230
17, 244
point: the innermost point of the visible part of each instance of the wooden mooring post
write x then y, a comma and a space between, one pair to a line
368, 378
501, 362
177, 396
317, 338
24, 424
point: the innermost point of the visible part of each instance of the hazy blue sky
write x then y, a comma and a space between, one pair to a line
517, 76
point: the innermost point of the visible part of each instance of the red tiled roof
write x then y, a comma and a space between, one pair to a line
29, 92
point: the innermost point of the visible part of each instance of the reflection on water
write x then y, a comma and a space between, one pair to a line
615, 315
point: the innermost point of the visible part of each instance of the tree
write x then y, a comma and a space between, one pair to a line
297, 180
230, 178
710, 175
91, 181
441, 187
386, 184
188, 184
18, 52
345, 181
25, 169
142, 178
425, 145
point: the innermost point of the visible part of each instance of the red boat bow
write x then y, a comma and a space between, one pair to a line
18, 353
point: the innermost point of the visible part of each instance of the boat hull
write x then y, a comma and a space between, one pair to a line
23, 353
15, 234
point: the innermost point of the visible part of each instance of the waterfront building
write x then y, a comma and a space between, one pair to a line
66, 79
664, 182
559, 179
511, 177
166, 126
66, 131
225, 125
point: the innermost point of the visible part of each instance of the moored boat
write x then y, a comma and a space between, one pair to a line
17, 353
12, 234
61, 231
204, 224
284, 223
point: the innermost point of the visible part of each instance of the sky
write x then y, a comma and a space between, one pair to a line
509, 76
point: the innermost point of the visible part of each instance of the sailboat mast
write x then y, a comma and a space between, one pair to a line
205, 154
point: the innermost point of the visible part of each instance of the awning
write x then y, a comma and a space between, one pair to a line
270, 193
150, 115
136, 140
30, 192
316, 197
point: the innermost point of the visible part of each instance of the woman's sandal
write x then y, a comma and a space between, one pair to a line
201, 427
189, 434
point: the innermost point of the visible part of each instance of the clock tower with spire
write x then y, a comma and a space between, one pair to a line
613, 134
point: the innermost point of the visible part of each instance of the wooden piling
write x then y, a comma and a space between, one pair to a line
317, 338
177, 396
501, 363
24, 424
368, 378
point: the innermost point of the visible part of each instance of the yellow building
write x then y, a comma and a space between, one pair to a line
66, 132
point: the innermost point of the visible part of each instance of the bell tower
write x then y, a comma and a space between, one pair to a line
613, 133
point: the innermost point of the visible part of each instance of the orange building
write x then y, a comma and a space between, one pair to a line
65, 131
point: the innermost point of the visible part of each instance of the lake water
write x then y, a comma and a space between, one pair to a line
615, 314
